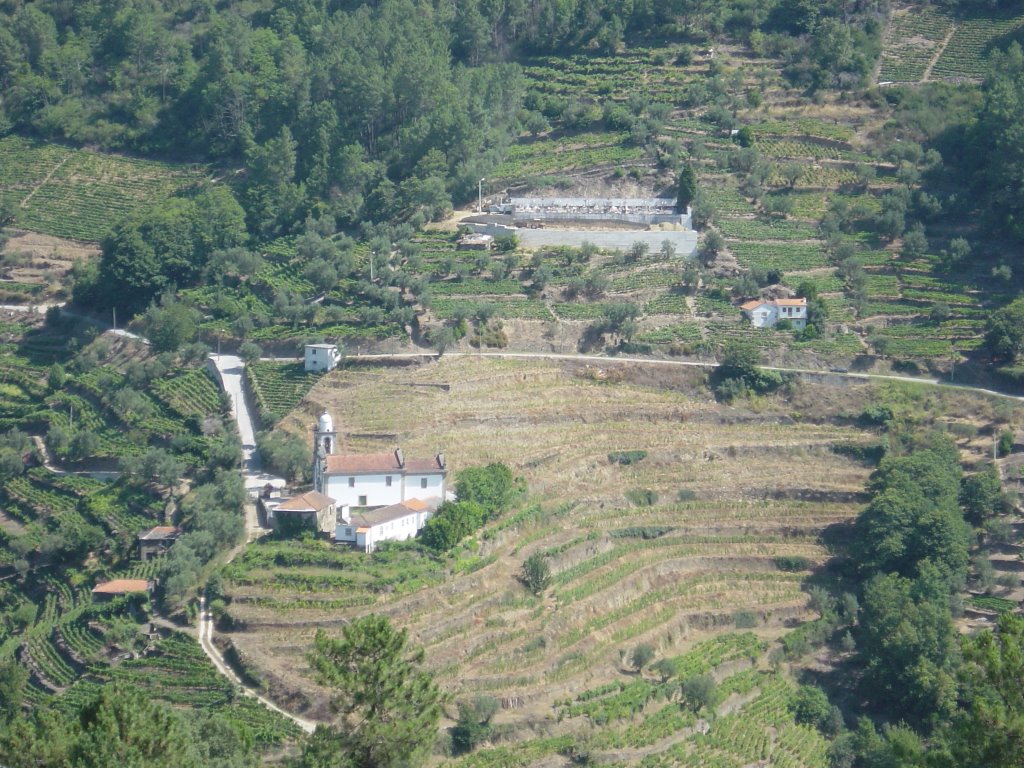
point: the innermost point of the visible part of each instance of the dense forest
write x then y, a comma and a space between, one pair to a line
344, 113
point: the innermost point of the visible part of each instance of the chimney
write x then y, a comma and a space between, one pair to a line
440, 460
400, 457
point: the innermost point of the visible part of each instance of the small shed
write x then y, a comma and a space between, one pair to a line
156, 541
108, 590
308, 511
322, 357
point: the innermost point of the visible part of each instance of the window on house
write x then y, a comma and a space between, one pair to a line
362, 501
348, 531
423, 482
387, 481
351, 482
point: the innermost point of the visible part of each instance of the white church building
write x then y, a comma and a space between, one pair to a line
379, 496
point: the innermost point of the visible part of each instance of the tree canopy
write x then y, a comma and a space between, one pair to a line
388, 706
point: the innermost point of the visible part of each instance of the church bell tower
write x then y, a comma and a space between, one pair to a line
325, 443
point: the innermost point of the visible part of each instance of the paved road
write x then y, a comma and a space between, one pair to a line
206, 642
231, 369
603, 359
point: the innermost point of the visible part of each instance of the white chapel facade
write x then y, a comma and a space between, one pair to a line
372, 480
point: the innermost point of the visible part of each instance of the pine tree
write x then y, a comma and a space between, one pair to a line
687, 189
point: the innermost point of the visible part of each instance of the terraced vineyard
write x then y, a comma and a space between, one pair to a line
955, 48
78, 193
914, 37
277, 387
669, 571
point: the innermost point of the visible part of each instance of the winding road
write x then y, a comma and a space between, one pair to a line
231, 371
206, 642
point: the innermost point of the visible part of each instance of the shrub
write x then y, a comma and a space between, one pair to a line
641, 532
871, 453
875, 416
642, 655
744, 619
792, 563
536, 573
642, 497
626, 457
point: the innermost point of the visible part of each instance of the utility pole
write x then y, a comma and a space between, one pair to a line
373, 258
480, 196
114, 310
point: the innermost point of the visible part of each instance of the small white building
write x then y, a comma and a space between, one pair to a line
765, 313
321, 357
365, 529
372, 480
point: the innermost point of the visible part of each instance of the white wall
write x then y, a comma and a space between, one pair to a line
414, 488
764, 316
373, 487
321, 359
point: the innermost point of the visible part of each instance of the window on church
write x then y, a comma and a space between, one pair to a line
362, 501
351, 482
387, 481
423, 482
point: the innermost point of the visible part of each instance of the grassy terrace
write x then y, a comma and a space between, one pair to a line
721, 520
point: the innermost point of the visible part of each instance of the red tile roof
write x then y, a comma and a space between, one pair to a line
422, 466
373, 463
311, 501
751, 305
383, 515
791, 302
122, 587
364, 463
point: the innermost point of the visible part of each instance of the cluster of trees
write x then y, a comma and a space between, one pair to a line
213, 515
364, 110
911, 548
739, 373
117, 726
908, 559
483, 493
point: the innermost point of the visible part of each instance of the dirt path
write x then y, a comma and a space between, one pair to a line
41, 184
44, 451
602, 359
938, 52
206, 642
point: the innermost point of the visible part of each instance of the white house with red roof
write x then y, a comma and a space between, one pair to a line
396, 522
765, 313
374, 491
